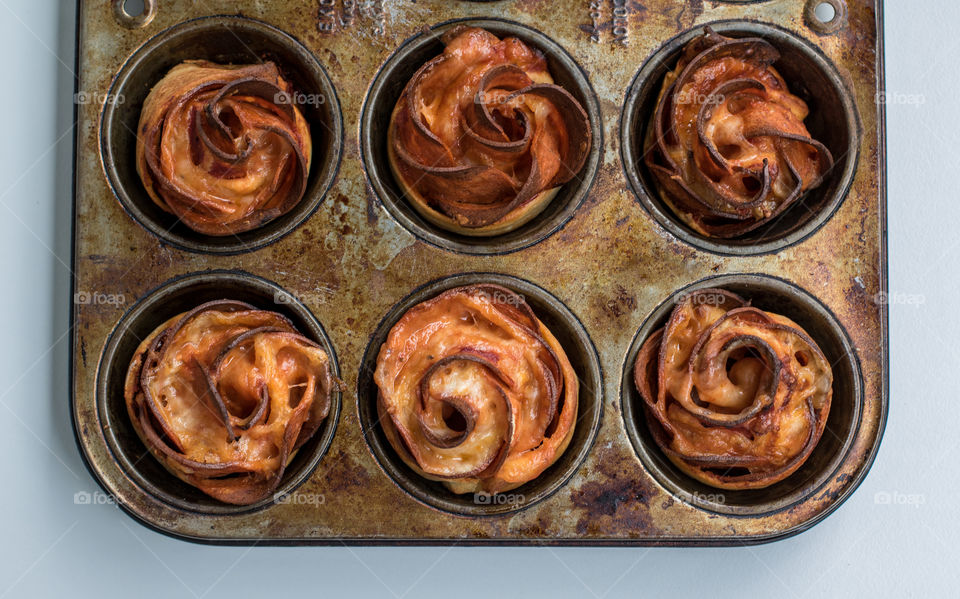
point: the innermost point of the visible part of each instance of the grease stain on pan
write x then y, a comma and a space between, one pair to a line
613, 499
346, 472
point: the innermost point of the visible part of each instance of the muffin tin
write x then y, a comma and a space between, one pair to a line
602, 266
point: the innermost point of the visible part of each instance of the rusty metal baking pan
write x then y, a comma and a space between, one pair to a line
601, 265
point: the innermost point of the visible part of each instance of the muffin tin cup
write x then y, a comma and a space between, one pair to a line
174, 297
382, 97
779, 297
223, 40
833, 120
574, 339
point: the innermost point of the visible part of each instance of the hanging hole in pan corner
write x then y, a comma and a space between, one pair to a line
825, 16
134, 14
825, 12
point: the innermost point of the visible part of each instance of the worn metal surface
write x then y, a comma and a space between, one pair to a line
612, 265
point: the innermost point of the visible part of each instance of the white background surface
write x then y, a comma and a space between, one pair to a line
51, 547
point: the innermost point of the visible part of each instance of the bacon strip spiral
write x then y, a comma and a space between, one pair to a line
223, 148
727, 143
736, 397
481, 138
224, 395
475, 391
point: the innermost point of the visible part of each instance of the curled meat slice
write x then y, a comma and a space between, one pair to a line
224, 395
223, 148
727, 144
475, 391
736, 397
481, 138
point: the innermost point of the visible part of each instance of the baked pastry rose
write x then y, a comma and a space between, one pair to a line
727, 143
223, 148
475, 391
736, 397
481, 139
224, 396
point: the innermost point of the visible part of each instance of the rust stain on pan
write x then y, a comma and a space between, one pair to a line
609, 263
